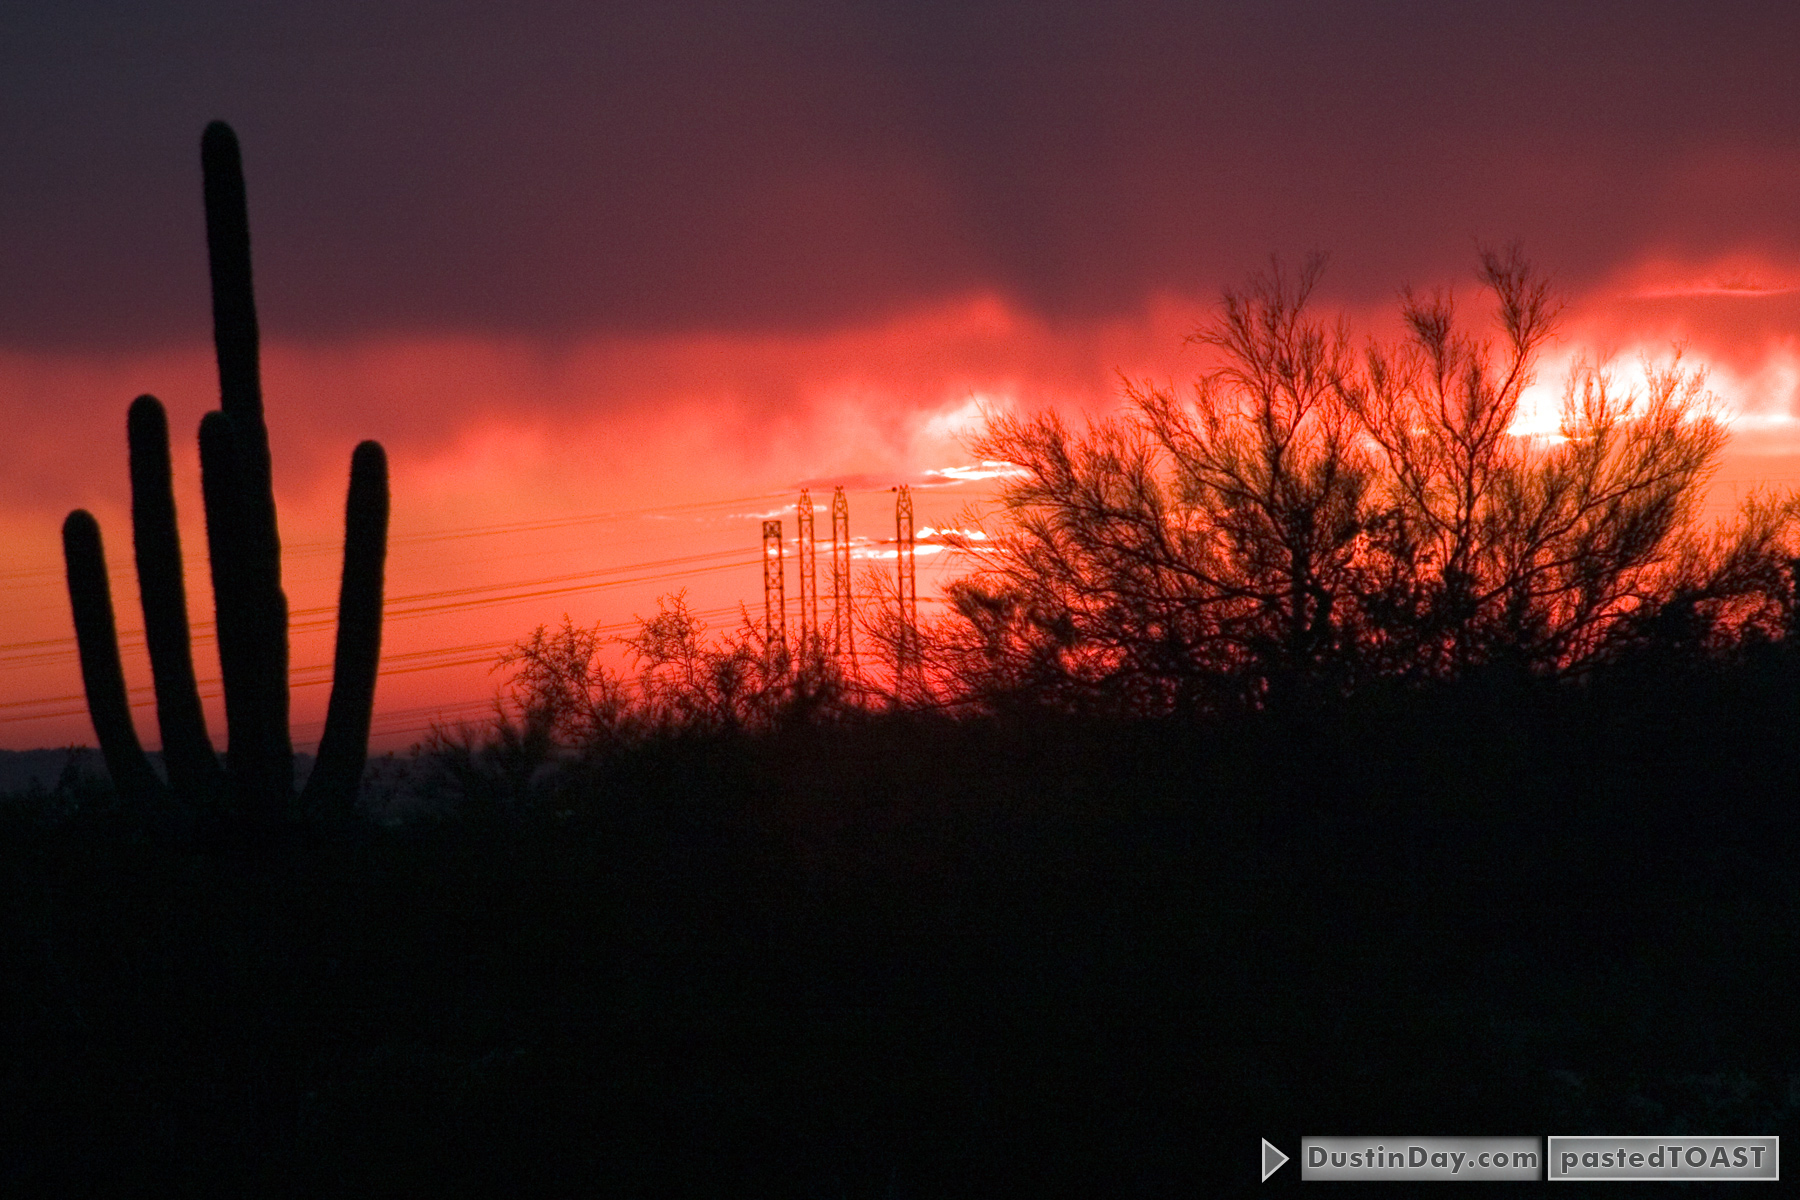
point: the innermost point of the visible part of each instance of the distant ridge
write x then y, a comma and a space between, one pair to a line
19, 769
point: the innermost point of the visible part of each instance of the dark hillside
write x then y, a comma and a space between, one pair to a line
911, 956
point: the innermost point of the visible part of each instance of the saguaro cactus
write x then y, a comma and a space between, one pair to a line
245, 549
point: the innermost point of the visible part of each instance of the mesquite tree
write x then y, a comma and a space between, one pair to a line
1313, 520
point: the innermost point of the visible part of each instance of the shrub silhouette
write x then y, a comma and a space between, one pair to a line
684, 683
245, 550
1309, 523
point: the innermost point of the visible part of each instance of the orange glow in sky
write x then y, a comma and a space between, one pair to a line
612, 282
533, 479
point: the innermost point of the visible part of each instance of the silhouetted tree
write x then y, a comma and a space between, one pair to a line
562, 696
1308, 520
742, 680
560, 686
1492, 545
1187, 555
683, 681
904, 672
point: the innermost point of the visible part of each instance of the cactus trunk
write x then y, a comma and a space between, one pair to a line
246, 716
187, 750
102, 674
263, 766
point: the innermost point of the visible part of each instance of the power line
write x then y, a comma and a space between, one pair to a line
316, 674
44, 650
198, 562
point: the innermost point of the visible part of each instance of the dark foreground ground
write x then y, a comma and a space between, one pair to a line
919, 958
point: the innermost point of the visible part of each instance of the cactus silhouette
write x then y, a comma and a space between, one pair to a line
102, 675
344, 746
244, 546
187, 751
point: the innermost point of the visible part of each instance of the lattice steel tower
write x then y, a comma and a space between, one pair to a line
843, 625
809, 574
774, 588
907, 579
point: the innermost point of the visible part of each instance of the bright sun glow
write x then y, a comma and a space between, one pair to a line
966, 419
986, 469
1539, 414
1760, 400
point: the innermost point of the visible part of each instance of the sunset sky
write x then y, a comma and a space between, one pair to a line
612, 282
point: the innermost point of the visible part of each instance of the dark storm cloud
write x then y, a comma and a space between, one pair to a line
565, 168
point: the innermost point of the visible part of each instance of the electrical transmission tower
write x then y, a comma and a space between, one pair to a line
843, 626
774, 588
809, 574
907, 580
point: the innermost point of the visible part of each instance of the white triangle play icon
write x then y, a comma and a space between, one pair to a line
1272, 1160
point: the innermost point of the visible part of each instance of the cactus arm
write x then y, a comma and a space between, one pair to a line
219, 493
102, 674
187, 750
344, 746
